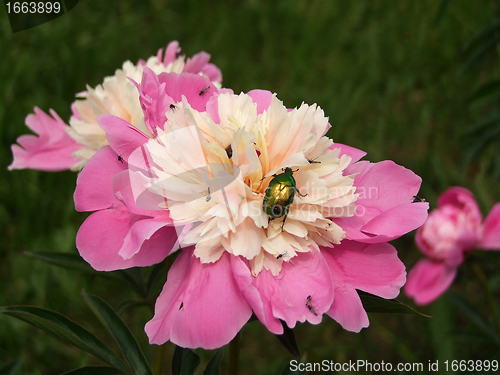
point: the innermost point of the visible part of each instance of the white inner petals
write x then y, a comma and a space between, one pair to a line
224, 196
116, 96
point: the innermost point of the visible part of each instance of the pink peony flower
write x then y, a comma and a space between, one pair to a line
451, 230
204, 173
51, 151
121, 234
61, 147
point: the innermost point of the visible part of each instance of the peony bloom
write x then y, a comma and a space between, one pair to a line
51, 151
451, 230
60, 147
201, 180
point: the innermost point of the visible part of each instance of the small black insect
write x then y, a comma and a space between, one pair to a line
173, 106
229, 152
417, 199
120, 159
181, 306
208, 196
204, 91
313, 161
281, 255
309, 306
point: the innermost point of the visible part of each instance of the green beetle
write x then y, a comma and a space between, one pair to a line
280, 194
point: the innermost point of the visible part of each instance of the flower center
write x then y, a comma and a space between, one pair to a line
246, 191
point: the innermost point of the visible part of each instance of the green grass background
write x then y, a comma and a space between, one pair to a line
389, 74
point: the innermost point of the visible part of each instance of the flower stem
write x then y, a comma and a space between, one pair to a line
234, 355
158, 364
161, 349
491, 301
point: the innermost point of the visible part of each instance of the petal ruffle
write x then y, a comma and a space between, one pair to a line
428, 279
51, 150
199, 306
155, 103
302, 291
94, 186
491, 230
263, 99
103, 233
348, 310
381, 187
372, 268
197, 89
123, 137
354, 153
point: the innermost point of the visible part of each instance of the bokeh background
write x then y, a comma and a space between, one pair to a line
395, 78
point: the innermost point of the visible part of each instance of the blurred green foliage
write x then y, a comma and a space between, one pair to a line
391, 77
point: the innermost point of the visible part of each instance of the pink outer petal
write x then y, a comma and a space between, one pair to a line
372, 268
199, 64
170, 53
454, 255
212, 72
354, 153
463, 201
200, 304
491, 230
94, 186
262, 98
213, 105
101, 236
286, 296
74, 111
381, 187
397, 221
122, 186
123, 137
348, 310
154, 101
145, 229
196, 63
51, 151
262, 310
197, 89
460, 198
428, 279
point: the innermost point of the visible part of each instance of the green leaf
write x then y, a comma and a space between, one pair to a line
287, 339
66, 260
474, 316
134, 277
485, 93
184, 361
11, 368
129, 303
482, 43
75, 261
443, 8
375, 304
213, 367
125, 339
155, 276
60, 326
95, 370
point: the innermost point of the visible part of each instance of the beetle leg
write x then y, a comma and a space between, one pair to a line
298, 192
283, 222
